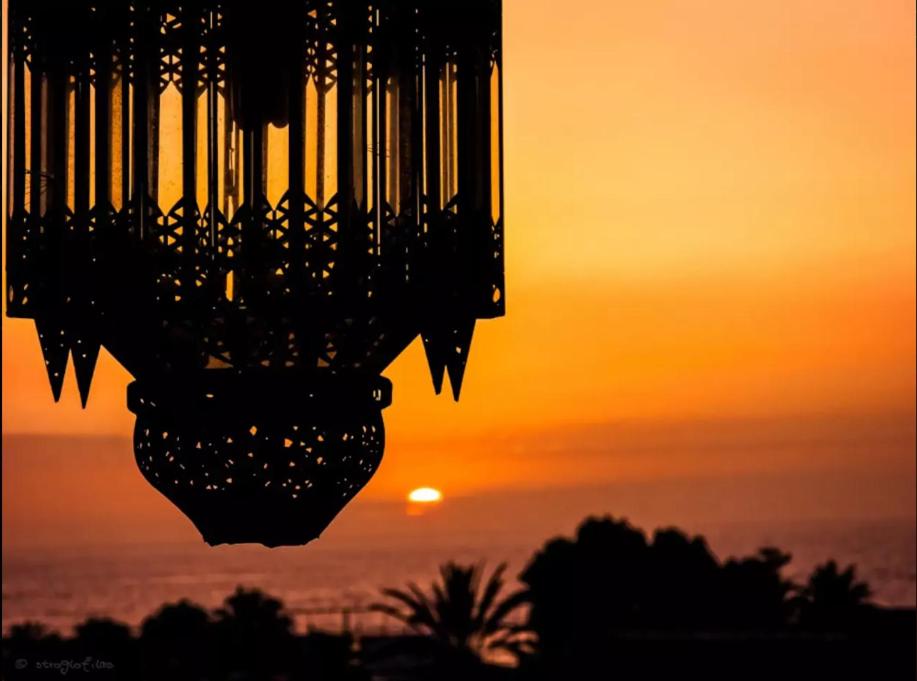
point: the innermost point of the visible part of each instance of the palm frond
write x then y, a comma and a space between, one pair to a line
417, 614
392, 612
497, 618
491, 590
462, 612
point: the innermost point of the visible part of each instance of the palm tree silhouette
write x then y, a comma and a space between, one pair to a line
833, 598
463, 616
255, 636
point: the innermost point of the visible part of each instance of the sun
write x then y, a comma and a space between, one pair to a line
425, 495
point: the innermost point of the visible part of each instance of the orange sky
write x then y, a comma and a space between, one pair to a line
711, 218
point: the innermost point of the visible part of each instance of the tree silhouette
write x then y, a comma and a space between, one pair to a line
25, 643
682, 598
254, 636
176, 643
833, 599
609, 583
755, 595
331, 657
608, 600
30, 632
109, 644
463, 618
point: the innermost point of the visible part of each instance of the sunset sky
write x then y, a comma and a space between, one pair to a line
710, 272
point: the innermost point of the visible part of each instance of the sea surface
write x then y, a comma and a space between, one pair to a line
328, 585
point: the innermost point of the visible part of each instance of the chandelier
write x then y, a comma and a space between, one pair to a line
255, 207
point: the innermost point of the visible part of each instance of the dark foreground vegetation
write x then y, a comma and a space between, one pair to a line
609, 603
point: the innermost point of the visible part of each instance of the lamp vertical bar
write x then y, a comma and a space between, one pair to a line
38, 111
345, 45
297, 143
212, 76
190, 210
141, 143
17, 127
103, 123
81, 167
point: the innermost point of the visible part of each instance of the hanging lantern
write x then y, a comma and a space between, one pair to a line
255, 207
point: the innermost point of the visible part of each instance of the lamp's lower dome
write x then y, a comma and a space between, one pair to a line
259, 457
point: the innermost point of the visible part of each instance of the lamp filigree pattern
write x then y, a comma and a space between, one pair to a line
256, 206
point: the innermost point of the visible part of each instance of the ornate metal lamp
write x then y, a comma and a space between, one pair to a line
255, 207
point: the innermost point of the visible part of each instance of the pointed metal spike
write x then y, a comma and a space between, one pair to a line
55, 348
458, 354
85, 355
434, 350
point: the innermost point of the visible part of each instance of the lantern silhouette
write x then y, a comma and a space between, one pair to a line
255, 207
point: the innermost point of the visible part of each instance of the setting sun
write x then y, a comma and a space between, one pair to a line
425, 495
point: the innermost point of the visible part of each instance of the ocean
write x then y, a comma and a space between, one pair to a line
61, 586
